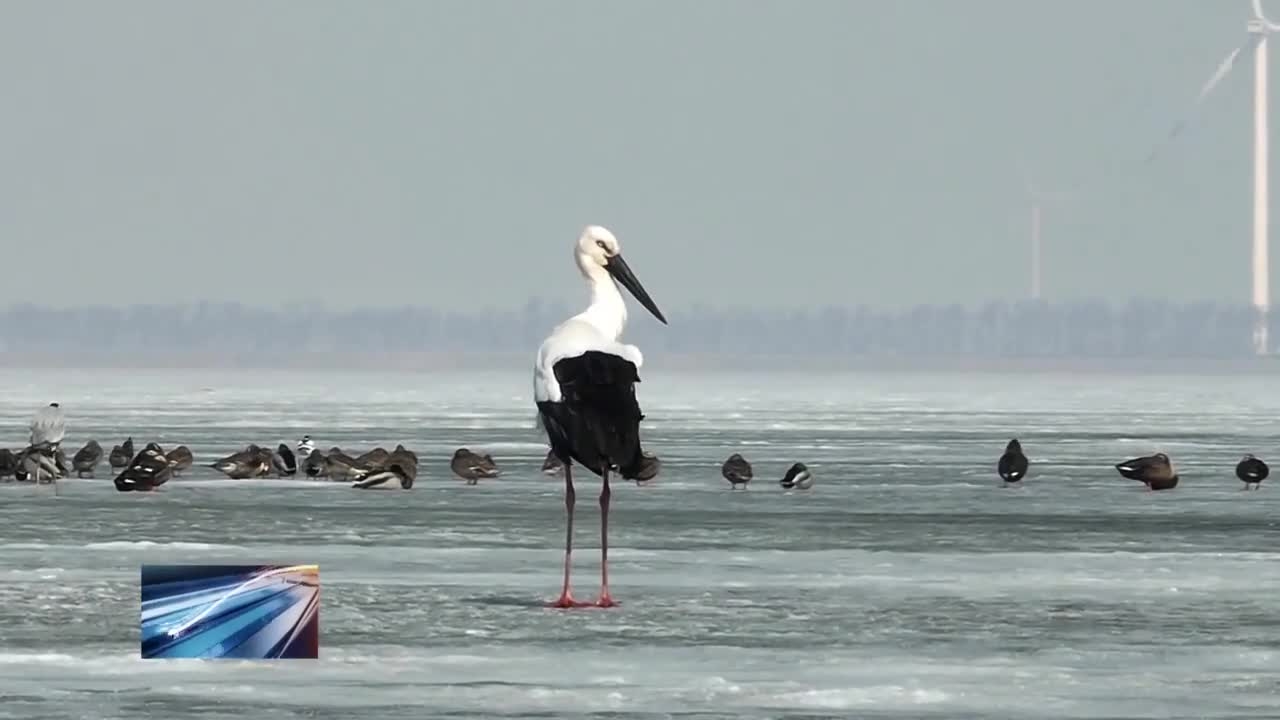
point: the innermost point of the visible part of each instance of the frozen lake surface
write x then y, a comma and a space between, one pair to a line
906, 584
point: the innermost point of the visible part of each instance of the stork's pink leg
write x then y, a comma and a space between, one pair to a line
566, 598
604, 600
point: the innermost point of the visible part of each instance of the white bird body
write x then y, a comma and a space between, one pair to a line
596, 328
572, 338
49, 427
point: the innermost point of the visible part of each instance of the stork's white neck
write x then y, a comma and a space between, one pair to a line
607, 311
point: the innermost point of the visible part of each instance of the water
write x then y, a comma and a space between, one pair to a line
907, 584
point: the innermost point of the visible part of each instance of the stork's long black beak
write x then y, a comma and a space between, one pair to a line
621, 272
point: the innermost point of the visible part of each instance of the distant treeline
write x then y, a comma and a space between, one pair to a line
1024, 329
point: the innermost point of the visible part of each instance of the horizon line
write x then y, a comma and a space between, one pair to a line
699, 306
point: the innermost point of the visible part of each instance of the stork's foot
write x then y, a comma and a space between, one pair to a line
566, 601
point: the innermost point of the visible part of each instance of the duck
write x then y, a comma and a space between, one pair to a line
737, 471
372, 459
313, 465
60, 462
36, 465
121, 455
1013, 465
284, 461
400, 465
472, 466
180, 460
650, 466
341, 466
1252, 471
1154, 471
147, 471
797, 477
8, 464
251, 462
86, 459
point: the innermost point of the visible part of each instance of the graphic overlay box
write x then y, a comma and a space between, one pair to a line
242, 612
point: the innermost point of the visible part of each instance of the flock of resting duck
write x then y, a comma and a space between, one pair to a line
153, 466
43, 461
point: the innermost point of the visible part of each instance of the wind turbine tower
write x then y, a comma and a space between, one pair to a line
1035, 249
1259, 27
1038, 199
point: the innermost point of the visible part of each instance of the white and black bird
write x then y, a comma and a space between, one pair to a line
1252, 471
797, 477
147, 471
584, 387
305, 447
1013, 465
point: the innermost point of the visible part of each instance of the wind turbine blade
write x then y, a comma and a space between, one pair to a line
1173, 135
1258, 14
1224, 69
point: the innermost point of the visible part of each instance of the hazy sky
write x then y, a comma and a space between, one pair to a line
758, 153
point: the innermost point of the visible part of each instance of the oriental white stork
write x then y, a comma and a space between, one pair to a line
584, 386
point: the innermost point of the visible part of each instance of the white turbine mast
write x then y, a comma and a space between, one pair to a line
1037, 252
1038, 199
1259, 27
1035, 247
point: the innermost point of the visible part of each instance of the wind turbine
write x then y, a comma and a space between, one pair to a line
1259, 27
1038, 199
1035, 245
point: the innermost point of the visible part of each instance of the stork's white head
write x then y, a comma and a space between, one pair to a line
597, 249
595, 246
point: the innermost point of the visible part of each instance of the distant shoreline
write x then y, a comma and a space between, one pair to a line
409, 362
